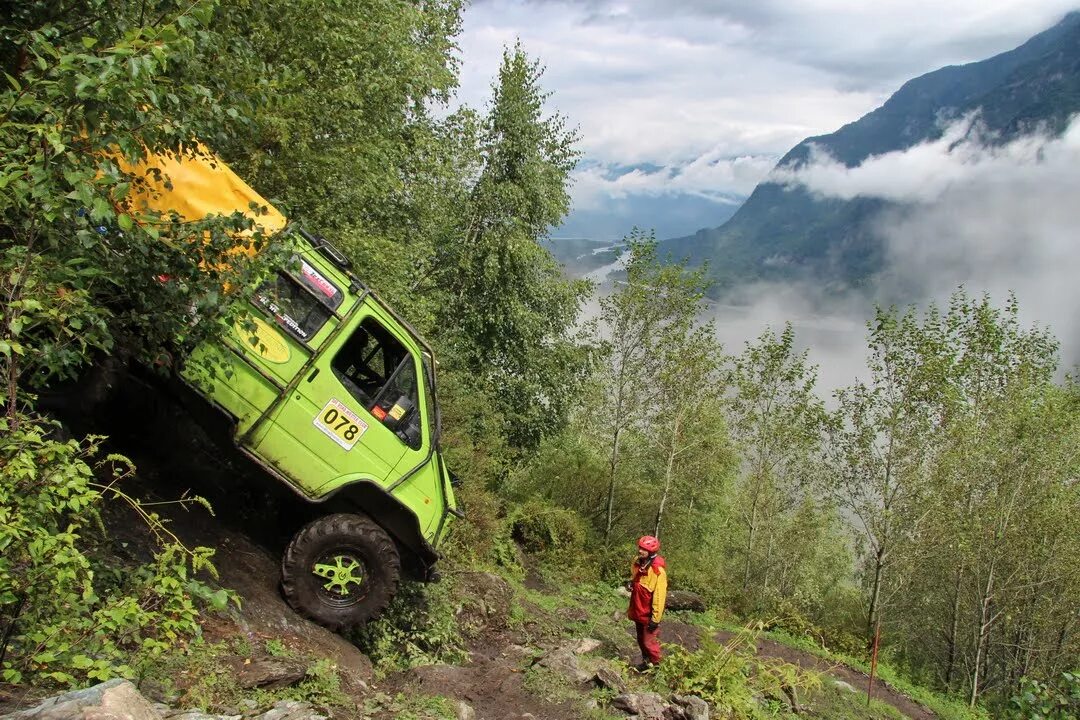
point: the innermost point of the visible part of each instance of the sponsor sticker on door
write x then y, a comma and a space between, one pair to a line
340, 424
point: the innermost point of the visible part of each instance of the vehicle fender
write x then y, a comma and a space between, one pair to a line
390, 513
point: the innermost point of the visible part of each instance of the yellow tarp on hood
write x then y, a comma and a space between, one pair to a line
201, 185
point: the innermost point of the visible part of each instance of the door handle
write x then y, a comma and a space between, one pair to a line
313, 374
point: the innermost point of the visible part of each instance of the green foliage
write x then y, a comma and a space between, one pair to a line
485, 539
780, 534
196, 677
1047, 701
419, 628
412, 706
91, 92
834, 703
730, 676
506, 313
542, 528
72, 614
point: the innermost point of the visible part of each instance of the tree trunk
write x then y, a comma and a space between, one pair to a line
768, 563
668, 474
984, 629
611, 485
875, 592
954, 628
750, 544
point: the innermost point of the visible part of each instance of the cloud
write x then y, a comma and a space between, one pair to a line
725, 181
995, 217
964, 156
714, 91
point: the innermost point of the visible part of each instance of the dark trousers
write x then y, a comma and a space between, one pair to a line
649, 642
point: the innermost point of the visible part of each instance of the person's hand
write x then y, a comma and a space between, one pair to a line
653, 625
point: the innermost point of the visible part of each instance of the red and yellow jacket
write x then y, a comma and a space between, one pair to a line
648, 591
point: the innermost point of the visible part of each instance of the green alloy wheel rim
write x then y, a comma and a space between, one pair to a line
343, 578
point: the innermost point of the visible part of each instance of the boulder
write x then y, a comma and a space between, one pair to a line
841, 685
584, 646
646, 706
291, 710
563, 660
683, 600
608, 678
464, 711
693, 707
270, 673
111, 700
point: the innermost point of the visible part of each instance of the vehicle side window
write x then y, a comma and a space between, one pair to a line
380, 373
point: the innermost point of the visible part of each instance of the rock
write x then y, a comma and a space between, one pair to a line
291, 710
647, 706
608, 678
693, 707
196, 715
683, 600
487, 599
563, 660
464, 711
519, 653
585, 646
269, 673
111, 700
841, 685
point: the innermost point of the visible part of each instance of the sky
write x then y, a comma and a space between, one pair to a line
684, 106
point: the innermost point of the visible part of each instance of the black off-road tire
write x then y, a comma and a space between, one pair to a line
335, 536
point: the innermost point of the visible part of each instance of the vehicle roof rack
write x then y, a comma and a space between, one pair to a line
327, 248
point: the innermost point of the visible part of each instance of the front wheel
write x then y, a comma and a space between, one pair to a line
340, 570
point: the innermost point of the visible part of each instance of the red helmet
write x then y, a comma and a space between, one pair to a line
648, 543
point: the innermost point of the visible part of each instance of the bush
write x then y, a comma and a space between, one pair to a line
483, 538
418, 628
541, 527
1048, 701
730, 677
67, 615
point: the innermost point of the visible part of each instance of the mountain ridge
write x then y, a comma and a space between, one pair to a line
784, 233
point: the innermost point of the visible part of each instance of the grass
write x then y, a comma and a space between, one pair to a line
835, 703
946, 708
194, 678
412, 707
588, 610
553, 687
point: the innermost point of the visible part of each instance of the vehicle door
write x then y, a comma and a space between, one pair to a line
347, 416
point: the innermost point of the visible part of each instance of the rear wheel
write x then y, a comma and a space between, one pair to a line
340, 570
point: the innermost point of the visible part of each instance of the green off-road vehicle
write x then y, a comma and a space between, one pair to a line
329, 392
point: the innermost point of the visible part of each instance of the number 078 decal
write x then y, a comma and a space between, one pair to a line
340, 424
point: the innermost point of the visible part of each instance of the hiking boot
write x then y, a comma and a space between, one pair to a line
643, 667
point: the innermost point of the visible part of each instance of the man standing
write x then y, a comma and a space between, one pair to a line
648, 590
